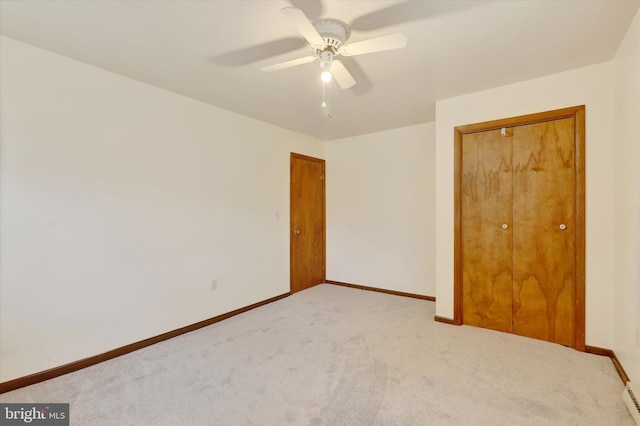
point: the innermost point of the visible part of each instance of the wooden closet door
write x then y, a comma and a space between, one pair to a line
486, 230
544, 231
533, 166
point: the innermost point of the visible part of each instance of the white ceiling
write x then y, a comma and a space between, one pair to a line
213, 51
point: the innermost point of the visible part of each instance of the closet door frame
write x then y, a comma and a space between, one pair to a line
577, 113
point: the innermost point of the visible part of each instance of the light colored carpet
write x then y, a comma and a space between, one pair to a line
332, 355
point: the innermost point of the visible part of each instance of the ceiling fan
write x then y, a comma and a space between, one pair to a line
327, 39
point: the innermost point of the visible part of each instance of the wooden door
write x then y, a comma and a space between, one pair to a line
519, 226
487, 250
307, 233
543, 230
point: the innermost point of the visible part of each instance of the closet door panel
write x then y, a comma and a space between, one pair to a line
486, 243
543, 224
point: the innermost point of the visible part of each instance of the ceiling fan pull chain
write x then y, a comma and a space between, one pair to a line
328, 38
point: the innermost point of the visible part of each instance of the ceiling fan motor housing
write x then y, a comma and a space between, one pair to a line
334, 33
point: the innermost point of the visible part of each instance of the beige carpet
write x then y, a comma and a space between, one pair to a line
332, 355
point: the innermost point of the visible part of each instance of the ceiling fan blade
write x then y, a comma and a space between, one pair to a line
289, 64
303, 25
311, 8
376, 44
364, 83
342, 75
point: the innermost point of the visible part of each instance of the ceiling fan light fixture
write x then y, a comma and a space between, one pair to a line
328, 38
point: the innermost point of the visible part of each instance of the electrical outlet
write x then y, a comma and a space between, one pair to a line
214, 285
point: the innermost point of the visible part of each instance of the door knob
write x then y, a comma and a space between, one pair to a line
296, 232
563, 226
505, 226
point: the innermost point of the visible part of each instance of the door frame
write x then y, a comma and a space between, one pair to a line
578, 115
324, 215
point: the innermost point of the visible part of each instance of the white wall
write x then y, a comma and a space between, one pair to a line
120, 202
626, 199
380, 209
591, 86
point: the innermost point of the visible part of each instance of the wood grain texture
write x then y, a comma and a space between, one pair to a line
521, 120
543, 253
579, 228
307, 244
486, 244
457, 228
574, 296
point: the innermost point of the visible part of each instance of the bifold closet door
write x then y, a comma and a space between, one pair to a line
543, 230
517, 211
486, 232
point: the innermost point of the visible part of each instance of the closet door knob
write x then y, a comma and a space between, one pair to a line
563, 226
505, 226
